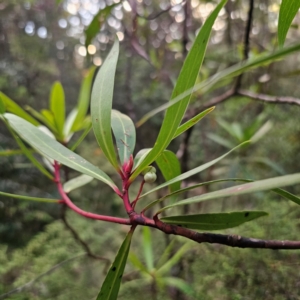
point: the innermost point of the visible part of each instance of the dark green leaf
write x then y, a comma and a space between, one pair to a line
186, 80
83, 100
214, 221
97, 22
57, 106
288, 11
101, 104
14, 108
124, 132
111, 285
169, 165
49, 147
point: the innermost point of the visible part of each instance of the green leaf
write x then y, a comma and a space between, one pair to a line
57, 106
28, 153
2, 106
193, 121
221, 141
287, 13
67, 132
147, 245
214, 221
101, 104
140, 156
44, 118
47, 200
83, 100
169, 165
111, 285
124, 132
50, 148
82, 137
97, 22
14, 108
137, 263
192, 172
186, 80
14, 152
165, 268
228, 73
77, 182
256, 186
281, 192
179, 284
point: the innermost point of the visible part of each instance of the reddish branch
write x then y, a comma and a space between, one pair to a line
136, 219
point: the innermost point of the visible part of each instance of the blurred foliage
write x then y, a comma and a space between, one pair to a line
33, 239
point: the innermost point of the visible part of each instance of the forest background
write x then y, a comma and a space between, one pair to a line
44, 41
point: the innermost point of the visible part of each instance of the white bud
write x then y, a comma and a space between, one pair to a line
150, 177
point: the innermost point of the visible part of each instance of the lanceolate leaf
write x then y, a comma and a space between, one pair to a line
147, 245
231, 72
192, 172
288, 11
2, 106
83, 100
77, 182
111, 285
257, 186
94, 27
169, 165
214, 221
281, 192
101, 104
124, 132
190, 123
29, 198
50, 148
14, 108
57, 106
186, 80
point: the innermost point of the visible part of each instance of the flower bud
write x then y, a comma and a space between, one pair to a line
150, 177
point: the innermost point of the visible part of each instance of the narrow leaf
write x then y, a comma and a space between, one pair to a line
57, 106
186, 80
192, 172
14, 108
50, 148
287, 13
214, 221
221, 141
77, 182
124, 132
2, 106
147, 245
180, 285
228, 73
94, 27
67, 132
193, 121
137, 263
29, 198
111, 285
82, 137
169, 165
140, 156
101, 104
257, 186
83, 100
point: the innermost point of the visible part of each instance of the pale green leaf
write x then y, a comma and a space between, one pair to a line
14, 108
192, 172
287, 13
147, 246
101, 104
76, 183
186, 80
82, 137
111, 285
216, 221
51, 148
193, 121
256, 186
57, 106
220, 140
124, 132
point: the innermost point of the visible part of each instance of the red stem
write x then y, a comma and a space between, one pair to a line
138, 195
76, 209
